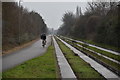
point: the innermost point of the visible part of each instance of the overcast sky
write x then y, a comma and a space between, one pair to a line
52, 12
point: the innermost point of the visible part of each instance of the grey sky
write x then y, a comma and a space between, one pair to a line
52, 12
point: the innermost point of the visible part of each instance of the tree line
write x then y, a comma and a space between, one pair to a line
20, 25
99, 23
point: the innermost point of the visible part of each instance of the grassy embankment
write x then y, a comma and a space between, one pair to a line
106, 61
44, 66
79, 66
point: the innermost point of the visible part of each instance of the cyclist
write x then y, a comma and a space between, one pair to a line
43, 37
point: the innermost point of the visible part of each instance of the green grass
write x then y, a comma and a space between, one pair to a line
79, 66
0, 75
108, 62
41, 67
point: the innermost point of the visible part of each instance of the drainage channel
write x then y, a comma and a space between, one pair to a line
98, 67
65, 69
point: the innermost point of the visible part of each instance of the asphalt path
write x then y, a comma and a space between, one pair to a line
27, 53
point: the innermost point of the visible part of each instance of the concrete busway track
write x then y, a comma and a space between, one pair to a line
111, 59
113, 52
101, 55
101, 62
65, 69
116, 71
98, 67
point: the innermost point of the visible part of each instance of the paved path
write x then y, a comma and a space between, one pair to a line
18, 57
98, 67
113, 52
65, 69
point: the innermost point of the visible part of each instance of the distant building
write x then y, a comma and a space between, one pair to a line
78, 12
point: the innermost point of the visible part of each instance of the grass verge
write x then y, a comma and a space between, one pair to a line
41, 67
79, 66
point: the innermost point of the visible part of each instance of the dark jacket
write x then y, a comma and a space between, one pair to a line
43, 36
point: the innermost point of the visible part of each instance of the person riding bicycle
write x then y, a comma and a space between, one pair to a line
43, 37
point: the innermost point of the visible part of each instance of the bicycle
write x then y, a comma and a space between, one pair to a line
43, 43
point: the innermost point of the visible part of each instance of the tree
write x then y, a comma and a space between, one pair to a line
20, 25
100, 23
